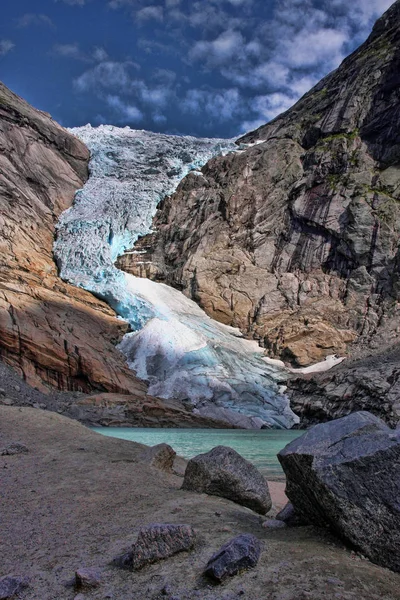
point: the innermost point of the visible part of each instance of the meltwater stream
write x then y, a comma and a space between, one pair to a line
174, 345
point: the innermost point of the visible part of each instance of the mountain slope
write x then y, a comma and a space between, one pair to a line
295, 238
53, 333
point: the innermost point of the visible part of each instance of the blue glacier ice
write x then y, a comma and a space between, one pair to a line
173, 344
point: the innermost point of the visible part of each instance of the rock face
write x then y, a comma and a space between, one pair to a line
295, 238
223, 472
371, 383
50, 331
346, 474
239, 554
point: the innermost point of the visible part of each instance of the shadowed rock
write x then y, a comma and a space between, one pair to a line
243, 552
156, 542
223, 472
346, 474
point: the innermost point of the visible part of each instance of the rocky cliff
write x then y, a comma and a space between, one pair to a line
52, 332
295, 238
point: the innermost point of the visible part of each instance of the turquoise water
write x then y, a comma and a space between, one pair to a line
259, 446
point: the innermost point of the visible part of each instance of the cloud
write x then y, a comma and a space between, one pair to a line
222, 105
106, 75
74, 52
150, 12
29, 19
5, 47
125, 113
322, 45
218, 51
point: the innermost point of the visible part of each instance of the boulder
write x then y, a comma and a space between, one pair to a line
156, 542
160, 456
240, 553
346, 473
223, 472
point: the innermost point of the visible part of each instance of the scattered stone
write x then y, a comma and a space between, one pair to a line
2, 392
274, 524
224, 472
14, 448
160, 456
240, 553
346, 473
17, 388
7, 401
10, 586
87, 578
156, 542
291, 517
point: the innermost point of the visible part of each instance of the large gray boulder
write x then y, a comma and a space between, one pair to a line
223, 472
346, 473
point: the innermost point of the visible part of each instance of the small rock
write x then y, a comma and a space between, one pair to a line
2, 392
14, 448
10, 586
156, 542
274, 524
87, 578
36, 405
7, 401
243, 552
160, 456
223, 472
17, 388
290, 516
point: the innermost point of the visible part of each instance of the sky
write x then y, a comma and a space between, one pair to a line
211, 68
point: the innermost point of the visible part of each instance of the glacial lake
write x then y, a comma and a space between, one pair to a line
259, 446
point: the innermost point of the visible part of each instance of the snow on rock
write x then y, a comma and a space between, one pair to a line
182, 352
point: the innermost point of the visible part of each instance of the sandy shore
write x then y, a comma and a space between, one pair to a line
78, 499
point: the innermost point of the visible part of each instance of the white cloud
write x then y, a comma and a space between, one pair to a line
215, 104
5, 47
220, 50
106, 75
69, 51
125, 113
148, 13
29, 19
307, 49
74, 52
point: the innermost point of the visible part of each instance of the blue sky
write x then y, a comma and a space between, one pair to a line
207, 68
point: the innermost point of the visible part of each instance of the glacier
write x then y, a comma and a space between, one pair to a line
182, 353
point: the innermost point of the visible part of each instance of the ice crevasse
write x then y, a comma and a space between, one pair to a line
173, 344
